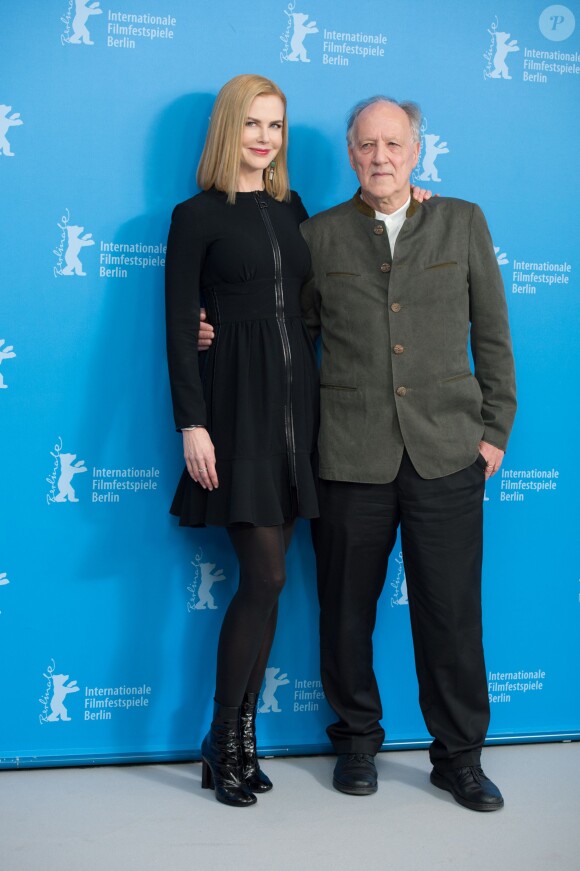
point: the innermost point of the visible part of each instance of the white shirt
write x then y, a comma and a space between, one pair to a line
393, 223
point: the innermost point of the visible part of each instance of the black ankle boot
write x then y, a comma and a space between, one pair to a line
222, 759
253, 775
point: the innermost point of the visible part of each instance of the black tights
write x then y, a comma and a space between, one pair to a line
249, 625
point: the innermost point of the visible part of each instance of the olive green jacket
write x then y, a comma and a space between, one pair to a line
395, 370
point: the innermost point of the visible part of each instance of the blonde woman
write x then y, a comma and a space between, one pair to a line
250, 422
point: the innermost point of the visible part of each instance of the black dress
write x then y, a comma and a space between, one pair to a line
257, 393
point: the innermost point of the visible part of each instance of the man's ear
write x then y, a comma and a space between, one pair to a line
416, 151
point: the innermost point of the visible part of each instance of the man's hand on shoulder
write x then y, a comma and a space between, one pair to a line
493, 457
206, 333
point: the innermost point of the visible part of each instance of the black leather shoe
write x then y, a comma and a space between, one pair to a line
355, 774
469, 787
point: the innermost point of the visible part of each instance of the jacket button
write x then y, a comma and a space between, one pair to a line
398, 349
401, 391
385, 267
378, 230
395, 306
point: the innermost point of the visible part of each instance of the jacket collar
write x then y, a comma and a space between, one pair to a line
365, 209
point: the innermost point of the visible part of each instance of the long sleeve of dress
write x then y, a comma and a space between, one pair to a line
185, 255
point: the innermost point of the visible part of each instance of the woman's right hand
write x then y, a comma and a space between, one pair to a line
199, 454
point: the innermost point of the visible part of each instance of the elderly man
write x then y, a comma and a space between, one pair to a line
408, 437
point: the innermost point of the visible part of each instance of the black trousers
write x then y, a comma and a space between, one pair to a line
441, 532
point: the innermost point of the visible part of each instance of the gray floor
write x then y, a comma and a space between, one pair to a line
157, 818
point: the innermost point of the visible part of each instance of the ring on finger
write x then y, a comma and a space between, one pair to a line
202, 469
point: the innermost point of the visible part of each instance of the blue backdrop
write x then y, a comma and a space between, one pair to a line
109, 613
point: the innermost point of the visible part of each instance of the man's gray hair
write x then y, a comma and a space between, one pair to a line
412, 111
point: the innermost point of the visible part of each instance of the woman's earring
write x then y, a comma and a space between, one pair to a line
272, 168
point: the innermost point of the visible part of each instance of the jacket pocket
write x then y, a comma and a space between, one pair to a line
441, 265
455, 378
336, 387
352, 274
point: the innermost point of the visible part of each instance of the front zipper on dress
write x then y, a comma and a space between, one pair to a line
281, 321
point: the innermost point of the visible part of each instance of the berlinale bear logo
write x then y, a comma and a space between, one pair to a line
269, 700
4, 580
80, 32
5, 354
7, 121
502, 49
399, 594
63, 471
432, 151
501, 256
205, 576
75, 243
208, 579
67, 470
60, 690
301, 31
500, 46
72, 240
296, 32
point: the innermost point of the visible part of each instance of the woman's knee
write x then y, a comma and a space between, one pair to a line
273, 583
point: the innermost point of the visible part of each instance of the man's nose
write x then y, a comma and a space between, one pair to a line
381, 153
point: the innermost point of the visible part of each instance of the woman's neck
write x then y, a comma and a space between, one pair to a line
248, 182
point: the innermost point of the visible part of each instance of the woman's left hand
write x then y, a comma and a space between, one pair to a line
420, 194
199, 455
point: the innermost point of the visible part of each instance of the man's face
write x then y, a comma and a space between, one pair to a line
383, 155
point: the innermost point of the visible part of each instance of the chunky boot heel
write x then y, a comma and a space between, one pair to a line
222, 759
253, 775
206, 776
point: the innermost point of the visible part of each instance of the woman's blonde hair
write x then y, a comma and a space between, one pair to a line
219, 165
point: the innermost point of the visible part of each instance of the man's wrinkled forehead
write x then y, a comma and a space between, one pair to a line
381, 120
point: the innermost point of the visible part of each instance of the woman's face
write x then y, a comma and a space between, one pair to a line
262, 134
